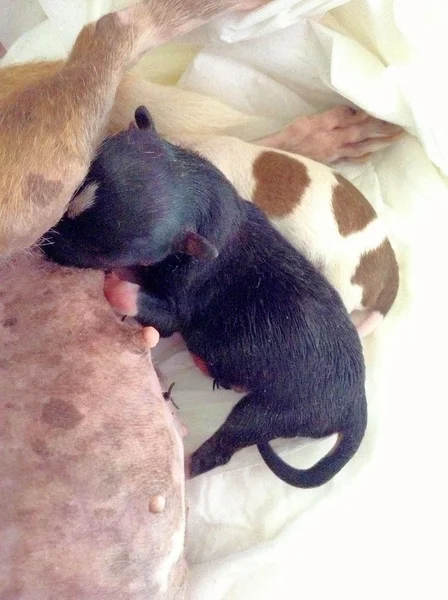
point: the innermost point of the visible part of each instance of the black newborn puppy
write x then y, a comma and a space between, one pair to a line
256, 314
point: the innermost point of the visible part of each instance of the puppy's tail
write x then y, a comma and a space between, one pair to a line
345, 448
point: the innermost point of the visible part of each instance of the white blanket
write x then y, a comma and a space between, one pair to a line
378, 529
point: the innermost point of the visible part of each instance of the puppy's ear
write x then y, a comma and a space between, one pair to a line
195, 245
143, 118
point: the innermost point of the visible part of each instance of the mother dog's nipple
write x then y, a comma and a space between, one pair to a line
157, 504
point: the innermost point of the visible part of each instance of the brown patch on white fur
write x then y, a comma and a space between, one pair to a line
281, 183
352, 211
82, 201
378, 275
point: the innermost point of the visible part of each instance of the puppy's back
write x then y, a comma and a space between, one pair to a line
274, 308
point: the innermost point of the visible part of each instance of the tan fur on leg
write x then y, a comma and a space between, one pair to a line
53, 120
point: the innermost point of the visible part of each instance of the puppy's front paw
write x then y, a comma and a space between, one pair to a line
121, 295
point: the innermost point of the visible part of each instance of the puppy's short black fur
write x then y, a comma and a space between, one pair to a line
249, 306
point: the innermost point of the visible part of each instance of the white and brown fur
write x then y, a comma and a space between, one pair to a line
322, 214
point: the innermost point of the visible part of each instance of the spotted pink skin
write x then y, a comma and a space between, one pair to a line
88, 442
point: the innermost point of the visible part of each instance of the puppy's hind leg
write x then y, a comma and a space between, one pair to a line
341, 133
247, 424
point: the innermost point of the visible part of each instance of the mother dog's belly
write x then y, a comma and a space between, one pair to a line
91, 476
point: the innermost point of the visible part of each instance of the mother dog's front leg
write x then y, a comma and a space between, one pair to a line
50, 130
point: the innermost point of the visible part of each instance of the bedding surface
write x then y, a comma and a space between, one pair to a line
377, 530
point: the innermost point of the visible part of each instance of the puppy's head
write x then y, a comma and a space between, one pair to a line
133, 208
